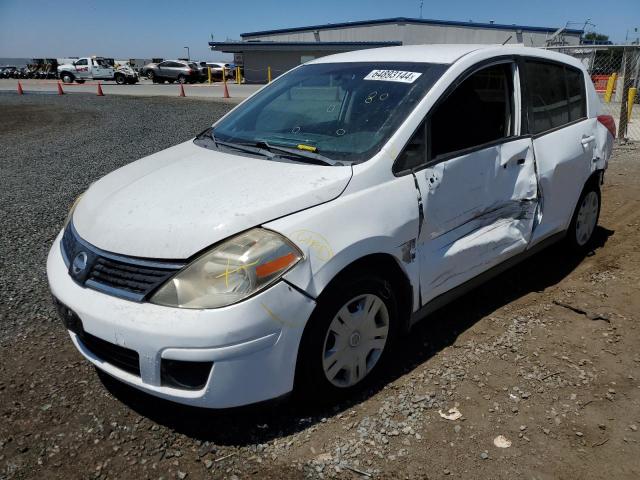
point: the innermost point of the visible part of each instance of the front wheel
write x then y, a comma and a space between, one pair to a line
120, 79
348, 337
66, 77
585, 218
182, 79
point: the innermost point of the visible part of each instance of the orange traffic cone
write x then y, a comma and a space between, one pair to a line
60, 91
182, 91
226, 91
100, 94
20, 91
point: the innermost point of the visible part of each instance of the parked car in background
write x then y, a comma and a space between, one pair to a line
8, 71
219, 272
172, 71
217, 68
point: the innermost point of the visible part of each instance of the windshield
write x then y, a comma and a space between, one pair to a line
343, 111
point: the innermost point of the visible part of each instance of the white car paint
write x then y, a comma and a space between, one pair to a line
442, 225
170, 195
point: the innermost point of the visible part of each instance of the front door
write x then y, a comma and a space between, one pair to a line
83, 69
479, 188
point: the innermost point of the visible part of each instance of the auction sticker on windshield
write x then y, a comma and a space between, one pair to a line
393, 76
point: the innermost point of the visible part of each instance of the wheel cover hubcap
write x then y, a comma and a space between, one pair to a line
587, 218
355, 340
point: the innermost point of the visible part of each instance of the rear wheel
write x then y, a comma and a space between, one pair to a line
348, 337
585, 218
151, 75
182, 79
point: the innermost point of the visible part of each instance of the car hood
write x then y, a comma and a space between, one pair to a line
174, 203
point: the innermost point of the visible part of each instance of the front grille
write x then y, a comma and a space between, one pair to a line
120, 357
135, 279
118, 275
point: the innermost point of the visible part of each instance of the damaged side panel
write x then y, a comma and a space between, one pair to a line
479, 211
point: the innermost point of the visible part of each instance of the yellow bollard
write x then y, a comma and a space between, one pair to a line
268, 74
611, 83
238, 79
630, 100
209, 73
224, 74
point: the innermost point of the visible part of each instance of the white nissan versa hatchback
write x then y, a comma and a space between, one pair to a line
292, 242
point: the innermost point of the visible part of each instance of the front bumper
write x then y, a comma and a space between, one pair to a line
253, 344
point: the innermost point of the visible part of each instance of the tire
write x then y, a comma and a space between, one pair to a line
151, 75
585, 219
80, 81
182, 79
66, 77
120, 79
337, 358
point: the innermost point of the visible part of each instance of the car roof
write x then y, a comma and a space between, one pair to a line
442, 53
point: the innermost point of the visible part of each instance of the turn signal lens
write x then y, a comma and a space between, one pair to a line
230, 272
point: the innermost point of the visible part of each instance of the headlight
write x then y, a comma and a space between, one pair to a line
231, 271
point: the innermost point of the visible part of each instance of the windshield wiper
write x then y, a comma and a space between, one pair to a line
308, 156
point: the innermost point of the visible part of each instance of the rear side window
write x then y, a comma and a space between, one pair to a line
576, 89
556, 95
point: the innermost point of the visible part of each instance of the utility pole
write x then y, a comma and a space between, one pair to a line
421, 2
188, 54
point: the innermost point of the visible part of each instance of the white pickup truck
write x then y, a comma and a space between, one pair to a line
95, 68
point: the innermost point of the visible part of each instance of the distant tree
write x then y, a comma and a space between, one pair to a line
598, 37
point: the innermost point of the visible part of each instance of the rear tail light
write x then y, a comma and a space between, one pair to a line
609, 123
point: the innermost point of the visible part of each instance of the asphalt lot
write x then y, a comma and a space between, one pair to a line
144, 88
517, 357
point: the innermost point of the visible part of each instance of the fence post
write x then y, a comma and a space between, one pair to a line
611, 83
268, 74
209, 74
626, 84
630, 100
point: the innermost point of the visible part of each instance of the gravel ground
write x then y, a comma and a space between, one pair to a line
543, 360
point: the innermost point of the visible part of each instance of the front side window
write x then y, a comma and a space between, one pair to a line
82, 62
479, 111
343, 111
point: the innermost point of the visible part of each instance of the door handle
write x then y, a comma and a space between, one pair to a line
587, 140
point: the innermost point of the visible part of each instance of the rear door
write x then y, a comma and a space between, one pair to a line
563, 139
478, 190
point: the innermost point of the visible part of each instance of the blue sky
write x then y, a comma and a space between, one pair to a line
159, 28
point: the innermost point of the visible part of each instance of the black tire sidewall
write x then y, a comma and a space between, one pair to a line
311, 381
571, 238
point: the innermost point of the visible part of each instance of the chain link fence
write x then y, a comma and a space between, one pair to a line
615, 72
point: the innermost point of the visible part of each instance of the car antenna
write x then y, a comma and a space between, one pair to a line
508, 38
